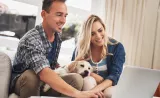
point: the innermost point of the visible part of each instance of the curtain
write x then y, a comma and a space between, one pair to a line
136, 24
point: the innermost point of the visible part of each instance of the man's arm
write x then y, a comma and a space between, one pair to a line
50, 77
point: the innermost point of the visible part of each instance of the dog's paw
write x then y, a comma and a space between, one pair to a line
46, 88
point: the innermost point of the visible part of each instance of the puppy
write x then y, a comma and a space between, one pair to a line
81, 67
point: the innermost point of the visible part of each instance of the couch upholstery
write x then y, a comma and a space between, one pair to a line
5, 71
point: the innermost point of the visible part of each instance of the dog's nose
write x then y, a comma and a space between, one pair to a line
86, 72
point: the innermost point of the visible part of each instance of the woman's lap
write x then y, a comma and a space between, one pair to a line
90, 82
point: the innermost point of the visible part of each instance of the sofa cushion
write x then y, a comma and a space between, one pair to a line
5, 72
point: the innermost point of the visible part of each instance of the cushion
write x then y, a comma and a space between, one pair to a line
5, 72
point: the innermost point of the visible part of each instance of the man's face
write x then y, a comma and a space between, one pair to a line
56, 17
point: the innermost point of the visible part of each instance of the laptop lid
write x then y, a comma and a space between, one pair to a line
137, 82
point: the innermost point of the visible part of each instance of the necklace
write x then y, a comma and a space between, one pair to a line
96, 63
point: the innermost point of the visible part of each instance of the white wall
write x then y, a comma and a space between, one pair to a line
32, 2
98, 8
20, 8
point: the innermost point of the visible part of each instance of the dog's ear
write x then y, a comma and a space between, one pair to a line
72, 66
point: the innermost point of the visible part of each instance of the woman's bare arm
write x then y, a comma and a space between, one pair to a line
102, 84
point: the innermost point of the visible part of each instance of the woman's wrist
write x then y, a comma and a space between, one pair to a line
100, 81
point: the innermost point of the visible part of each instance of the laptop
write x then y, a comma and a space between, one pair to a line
137, 82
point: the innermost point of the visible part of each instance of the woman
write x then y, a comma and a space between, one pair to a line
105, 54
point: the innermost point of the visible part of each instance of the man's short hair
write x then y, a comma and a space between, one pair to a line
47, 4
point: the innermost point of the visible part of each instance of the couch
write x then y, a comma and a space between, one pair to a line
8, 46
5, 72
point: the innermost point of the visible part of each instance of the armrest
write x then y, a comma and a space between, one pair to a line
5, 72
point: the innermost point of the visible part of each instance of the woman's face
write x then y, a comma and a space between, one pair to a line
97, 34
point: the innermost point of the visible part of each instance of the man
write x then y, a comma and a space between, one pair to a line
37, 55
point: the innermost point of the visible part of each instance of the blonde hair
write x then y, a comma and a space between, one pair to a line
83, 49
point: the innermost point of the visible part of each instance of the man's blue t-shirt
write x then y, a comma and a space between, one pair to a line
51, 54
